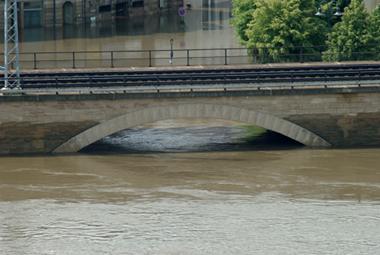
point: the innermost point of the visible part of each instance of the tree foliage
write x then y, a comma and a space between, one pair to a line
280, 27
242, 12
374, 30
351, 39
276, 30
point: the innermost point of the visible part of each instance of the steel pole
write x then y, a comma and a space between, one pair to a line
11, 46
6, 45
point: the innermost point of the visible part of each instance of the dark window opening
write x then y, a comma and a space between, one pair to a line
104, 8
121, 9
137, 3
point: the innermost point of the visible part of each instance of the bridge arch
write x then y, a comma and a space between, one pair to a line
211, 111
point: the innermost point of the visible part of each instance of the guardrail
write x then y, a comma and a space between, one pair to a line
175, 57
265, 88
134, 58
202, 77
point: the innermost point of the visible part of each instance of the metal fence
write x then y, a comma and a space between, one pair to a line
134, 58
175, 57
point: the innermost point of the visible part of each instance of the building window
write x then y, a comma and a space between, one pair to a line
33, 13
137, 3
104, 8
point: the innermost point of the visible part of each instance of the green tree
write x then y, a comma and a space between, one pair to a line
374, 30
281, 27
242, 15
351, 39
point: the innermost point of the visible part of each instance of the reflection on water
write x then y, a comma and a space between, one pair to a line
264, 202
204, 26
167, 22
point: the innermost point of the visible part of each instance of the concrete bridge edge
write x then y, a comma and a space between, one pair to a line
212, 111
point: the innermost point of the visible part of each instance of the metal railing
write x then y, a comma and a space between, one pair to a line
358, 74
175, 57
133, 58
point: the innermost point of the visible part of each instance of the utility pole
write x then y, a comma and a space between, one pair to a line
11, 48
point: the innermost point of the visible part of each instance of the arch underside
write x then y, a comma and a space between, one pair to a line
208, 111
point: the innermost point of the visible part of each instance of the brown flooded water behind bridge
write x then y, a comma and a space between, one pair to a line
205, 26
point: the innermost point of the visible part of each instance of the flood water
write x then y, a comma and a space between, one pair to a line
192, 189
201, 28
205, 26
250, 202
148, 200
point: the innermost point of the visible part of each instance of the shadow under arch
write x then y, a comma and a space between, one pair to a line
212, 111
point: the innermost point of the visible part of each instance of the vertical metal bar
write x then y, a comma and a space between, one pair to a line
188, 57
35, 60
17, 52
54, 13
171, 51
150, 58
301, 55
73, 59
6, 68
225, 57
112, 65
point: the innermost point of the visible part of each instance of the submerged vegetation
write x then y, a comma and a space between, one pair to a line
251, 133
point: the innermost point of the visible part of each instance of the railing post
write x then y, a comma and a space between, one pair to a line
188, 57
301, 55
225, 57
112, 64
150, 58
35, 60
73, 59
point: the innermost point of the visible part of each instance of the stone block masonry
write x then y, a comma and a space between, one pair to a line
68, 123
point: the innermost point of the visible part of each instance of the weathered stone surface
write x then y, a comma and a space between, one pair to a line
28, 137
362, 129
44, 124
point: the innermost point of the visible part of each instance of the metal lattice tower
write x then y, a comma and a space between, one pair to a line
11, 47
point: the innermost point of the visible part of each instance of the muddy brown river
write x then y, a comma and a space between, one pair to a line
288, 201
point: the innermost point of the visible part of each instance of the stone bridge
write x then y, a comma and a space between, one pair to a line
324, 117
